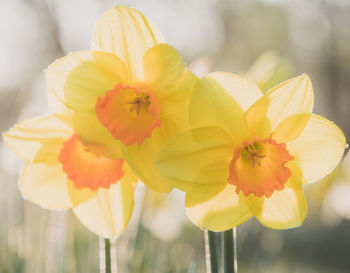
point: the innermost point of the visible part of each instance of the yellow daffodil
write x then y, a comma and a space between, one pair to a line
249, 154
130, 87
61, 173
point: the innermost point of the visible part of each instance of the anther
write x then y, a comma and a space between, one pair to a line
254, 155
137, 104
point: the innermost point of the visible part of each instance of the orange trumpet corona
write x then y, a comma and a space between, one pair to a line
87, 168
258, 167
129, 113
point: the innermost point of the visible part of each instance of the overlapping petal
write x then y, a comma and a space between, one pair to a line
162, 66
128, 34
290, 128
79, 78
284, 209
318, 149
291, 97
79, 196
99, 139
27, 137
45, 186
211, 105
175, 101
244, 92
142, 157
55, 105
199, 156
108, 212
217, 211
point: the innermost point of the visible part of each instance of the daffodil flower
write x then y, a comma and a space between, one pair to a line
62, 172
249, 154
131, 86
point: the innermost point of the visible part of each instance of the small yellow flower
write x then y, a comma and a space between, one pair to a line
62, 173
130, 87
249, 153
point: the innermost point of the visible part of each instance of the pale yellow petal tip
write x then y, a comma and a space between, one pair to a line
300, 78
303, 76
207, 223
66, 58
217, 211
281, 225
102, 233
6, 138
114, 11
278, 226
236, 76
45, 186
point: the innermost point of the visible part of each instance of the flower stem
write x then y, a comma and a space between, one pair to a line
229, 251
108, 255
235, 259
211, 251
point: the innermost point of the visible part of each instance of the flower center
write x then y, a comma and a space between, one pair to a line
88, 169
129, 113
253, 153
138, 102
258, 167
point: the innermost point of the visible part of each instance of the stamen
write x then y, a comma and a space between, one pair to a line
254, 154
138, 102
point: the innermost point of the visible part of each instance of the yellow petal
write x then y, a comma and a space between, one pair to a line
217, 211
127, 33
175, 101
194, 187
162, 66
290, 128
79, 78
79, 196
256, 120
99, 139
294, 96
200, 156
109, 211
318, 149
55, 105
29, 136
49, 152
212, 105
142, 158
129, 176
45, 186
180, 89
243, 91
284, 209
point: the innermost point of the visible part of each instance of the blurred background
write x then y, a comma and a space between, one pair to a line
268, 41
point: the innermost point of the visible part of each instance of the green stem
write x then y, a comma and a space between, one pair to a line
228, 253
108, 255
211, 252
